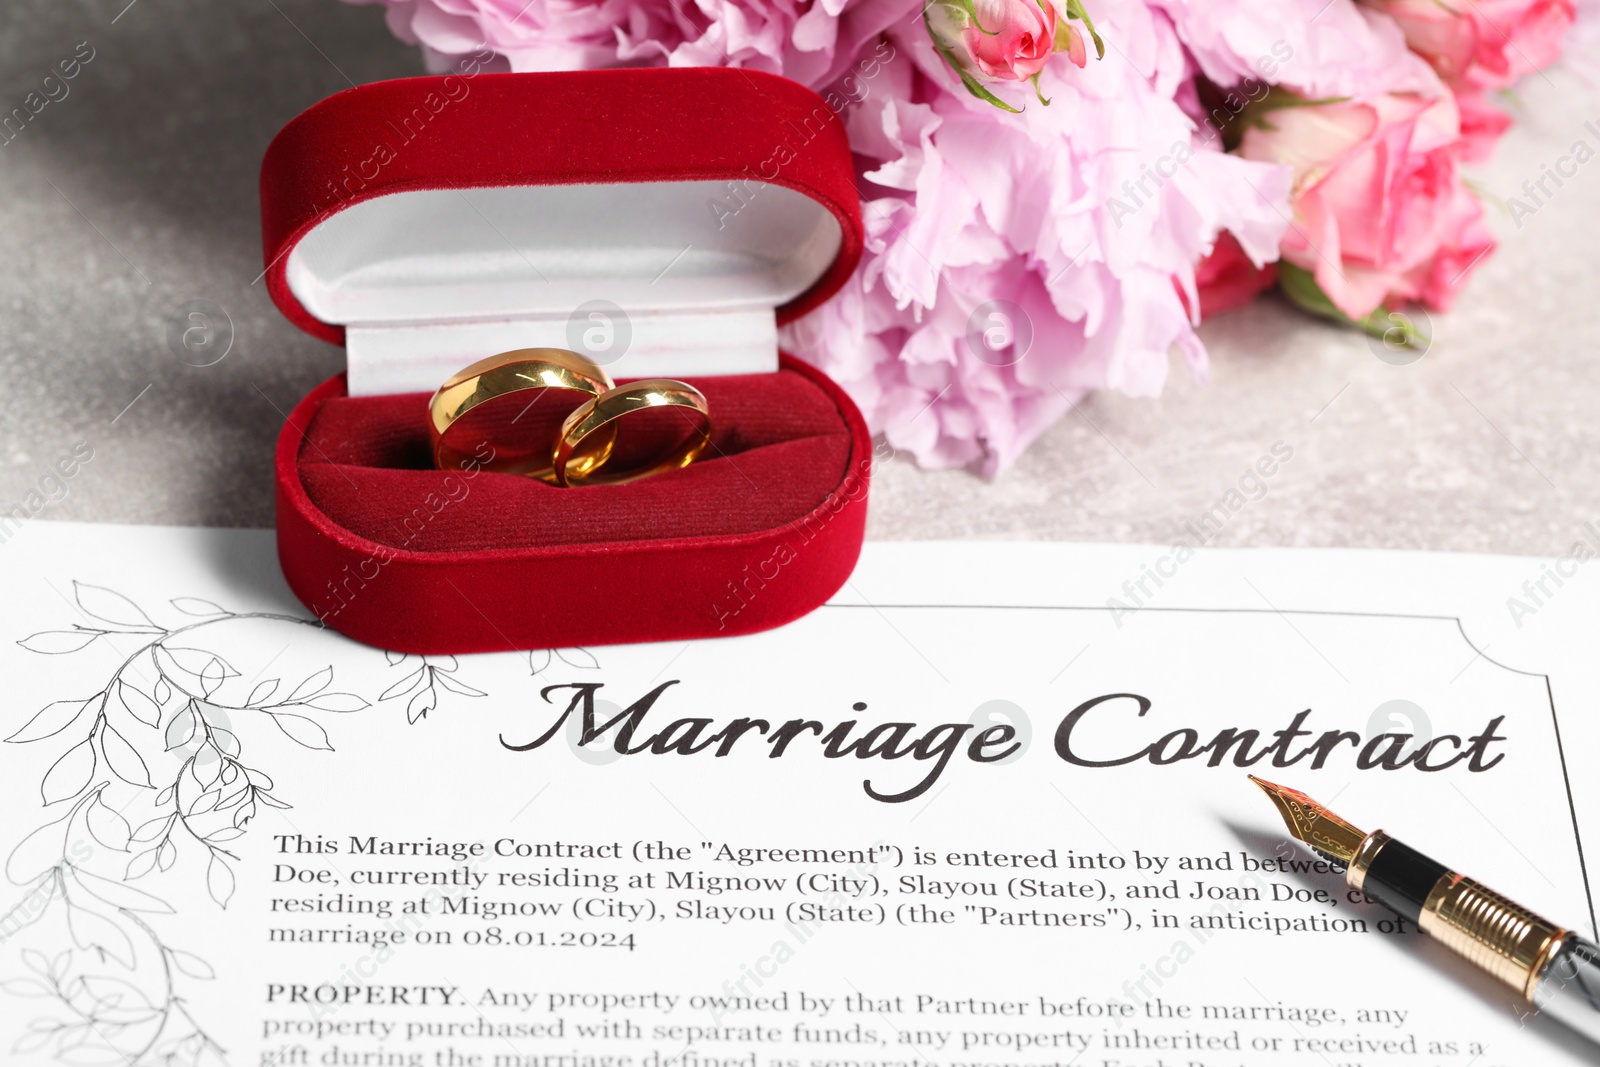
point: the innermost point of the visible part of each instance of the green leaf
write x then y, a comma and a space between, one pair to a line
973, 85
1300, 286
1254, 114
976, 88
1075, 11
970, 9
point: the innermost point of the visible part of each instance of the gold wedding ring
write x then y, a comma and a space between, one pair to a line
588, 435
504, 374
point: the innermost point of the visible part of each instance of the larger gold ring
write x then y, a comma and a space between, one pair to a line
589, 433
502, 375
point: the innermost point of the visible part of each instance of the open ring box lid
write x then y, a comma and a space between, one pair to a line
664, 222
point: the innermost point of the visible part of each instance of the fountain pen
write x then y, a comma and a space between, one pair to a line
1555, 971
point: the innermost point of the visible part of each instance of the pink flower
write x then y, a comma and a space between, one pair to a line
1381, 214
810, 41
1227, 279
1008, 41
1483, 44
1314, 48
1012, 40
1001, 283
1481, 126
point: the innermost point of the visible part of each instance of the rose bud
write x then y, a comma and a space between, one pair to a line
1007, 40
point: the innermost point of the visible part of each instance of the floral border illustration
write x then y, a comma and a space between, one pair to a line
167, 693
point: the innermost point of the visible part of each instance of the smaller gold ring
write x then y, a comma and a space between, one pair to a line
500, 375
575, 466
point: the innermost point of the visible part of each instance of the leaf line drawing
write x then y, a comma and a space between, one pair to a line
541, 660
100, 1016
422, 684
164, 703
170, 686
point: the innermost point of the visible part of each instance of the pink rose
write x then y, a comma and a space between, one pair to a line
1012, 40
1381, 214
1481, 126
1483, 44
1227, 279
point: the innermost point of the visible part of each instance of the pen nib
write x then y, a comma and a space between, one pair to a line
1312, 823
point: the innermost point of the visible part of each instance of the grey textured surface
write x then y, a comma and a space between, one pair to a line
137, 193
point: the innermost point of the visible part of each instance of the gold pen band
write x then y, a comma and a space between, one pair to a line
1505, 939
1489, 930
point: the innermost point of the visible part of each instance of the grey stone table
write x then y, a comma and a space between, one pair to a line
137, 193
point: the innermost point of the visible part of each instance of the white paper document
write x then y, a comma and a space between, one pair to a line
987, 807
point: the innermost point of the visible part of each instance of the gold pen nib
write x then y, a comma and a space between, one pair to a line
1312, 823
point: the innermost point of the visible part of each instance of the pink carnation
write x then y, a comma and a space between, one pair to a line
1065, 227
812, 43
1381, 214
1316, 49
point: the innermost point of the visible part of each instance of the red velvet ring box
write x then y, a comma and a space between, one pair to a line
684, 214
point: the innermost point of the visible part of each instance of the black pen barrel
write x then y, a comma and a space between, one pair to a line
1399, 877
